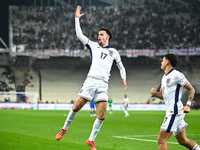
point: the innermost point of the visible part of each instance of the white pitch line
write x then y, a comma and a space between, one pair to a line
143, 135
154, 135
155, 141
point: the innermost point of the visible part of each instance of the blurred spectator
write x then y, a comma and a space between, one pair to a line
4, 86
7, 100
26, 81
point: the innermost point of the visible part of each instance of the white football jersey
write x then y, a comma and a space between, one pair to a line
172, 84
101, 60
101, 57
126, 100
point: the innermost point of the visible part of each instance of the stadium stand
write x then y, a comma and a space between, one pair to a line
33, 85
7, 83
64, 84
147, 27
62, 80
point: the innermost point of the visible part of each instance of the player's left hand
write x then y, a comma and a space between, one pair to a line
77, 13
124, 84
186, 109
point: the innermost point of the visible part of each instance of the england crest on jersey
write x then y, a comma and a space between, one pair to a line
111, 53
168, 80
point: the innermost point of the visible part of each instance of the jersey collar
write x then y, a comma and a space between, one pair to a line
170, 71
108, 46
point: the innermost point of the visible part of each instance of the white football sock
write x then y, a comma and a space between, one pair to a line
126, 112
96, 127
196, 147
69, 119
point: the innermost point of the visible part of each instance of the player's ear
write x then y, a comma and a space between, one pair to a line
168, 62
107, 37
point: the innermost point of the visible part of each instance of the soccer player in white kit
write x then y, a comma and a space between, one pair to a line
126, 102
96, 84
171, 92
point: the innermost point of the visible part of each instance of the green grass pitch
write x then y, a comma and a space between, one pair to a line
36, 130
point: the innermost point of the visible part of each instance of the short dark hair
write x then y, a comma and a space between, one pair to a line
107, 31
172, 59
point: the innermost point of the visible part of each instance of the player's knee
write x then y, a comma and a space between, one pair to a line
75, 108
101, 117
160, 140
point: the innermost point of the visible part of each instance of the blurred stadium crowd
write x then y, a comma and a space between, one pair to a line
148, 27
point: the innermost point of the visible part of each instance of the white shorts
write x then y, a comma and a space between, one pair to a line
94, 88
174, 123
125, 107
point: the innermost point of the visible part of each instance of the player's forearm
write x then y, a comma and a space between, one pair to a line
191, 95
79, 33
123, 74
122, 70
191, 92
158, 95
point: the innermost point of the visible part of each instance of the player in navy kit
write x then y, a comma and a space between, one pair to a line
171, 92
96, 84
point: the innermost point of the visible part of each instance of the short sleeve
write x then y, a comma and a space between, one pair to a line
181, 79
117, 57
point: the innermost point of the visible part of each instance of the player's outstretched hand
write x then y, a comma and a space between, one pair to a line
124, 84
78, 10
186, 109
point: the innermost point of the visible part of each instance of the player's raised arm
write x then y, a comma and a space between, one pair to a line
157, 94
79, 33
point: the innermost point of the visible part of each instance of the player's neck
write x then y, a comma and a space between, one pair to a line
168, 68
104, 44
